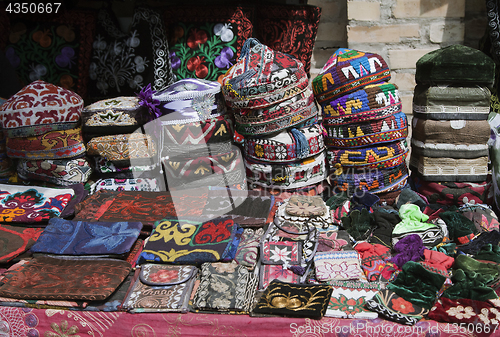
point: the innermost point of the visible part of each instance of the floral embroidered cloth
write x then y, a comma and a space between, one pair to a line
349, 298
338, 265
46, 277
464, 310
294, 299
225, 287
69, 237
192, 242
32, 203
161, 288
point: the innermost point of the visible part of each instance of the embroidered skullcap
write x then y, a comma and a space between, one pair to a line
348, 70
40, 107
262, 77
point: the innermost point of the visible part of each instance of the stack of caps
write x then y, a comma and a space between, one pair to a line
451, 104
196, 134
276, 114
7, 169
43, 134
366, 129
112, 129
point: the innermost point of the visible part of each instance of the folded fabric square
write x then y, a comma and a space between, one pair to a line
123, 149
281, 252
116, 184
287, 146
65, 279
373, 259
62, 144
225, 287
63, 172
457, 64
80, 238
192, 242
16, 240
304, 300
348, 299
40, 107
32, 203
262, 77
293, 112
348, 70
395, 308
161, 288
123, 114
339, 265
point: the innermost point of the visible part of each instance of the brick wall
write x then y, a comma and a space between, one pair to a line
401, 31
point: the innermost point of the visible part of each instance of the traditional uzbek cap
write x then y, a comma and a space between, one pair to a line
447, 102
63, 144
456, 64
348, 70
277, 117
189, 99
262, 77
40, 107
115, 115
450, 169
287, 146
64, 172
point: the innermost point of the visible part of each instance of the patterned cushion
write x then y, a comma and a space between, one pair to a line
289, 29
262, 77
287, 176
458, 64
367, 133
205, 41
124, 148
123, 63
338, 265
374, 101
346, 71
32, 203
61, 171
287, 146
451, 102
52, 48
40, 107
63, 144
81, 238
114, 115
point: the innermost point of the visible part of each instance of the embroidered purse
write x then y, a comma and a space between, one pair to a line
161, 288
338, 265
225, 287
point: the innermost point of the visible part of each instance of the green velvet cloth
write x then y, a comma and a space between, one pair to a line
417, 285
359, 224
458, 225
455, 64
471, 279
489, 252
412, 220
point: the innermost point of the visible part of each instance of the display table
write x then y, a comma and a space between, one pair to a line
16, 322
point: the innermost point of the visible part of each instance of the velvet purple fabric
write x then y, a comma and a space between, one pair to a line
409, 248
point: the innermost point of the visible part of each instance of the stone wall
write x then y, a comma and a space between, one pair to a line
401, 31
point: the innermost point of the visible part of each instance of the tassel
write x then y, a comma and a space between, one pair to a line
298, 270
247, 46
302, 145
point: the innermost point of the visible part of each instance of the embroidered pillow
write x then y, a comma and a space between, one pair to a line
288, 29
205, 41
124, 62
53, 48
